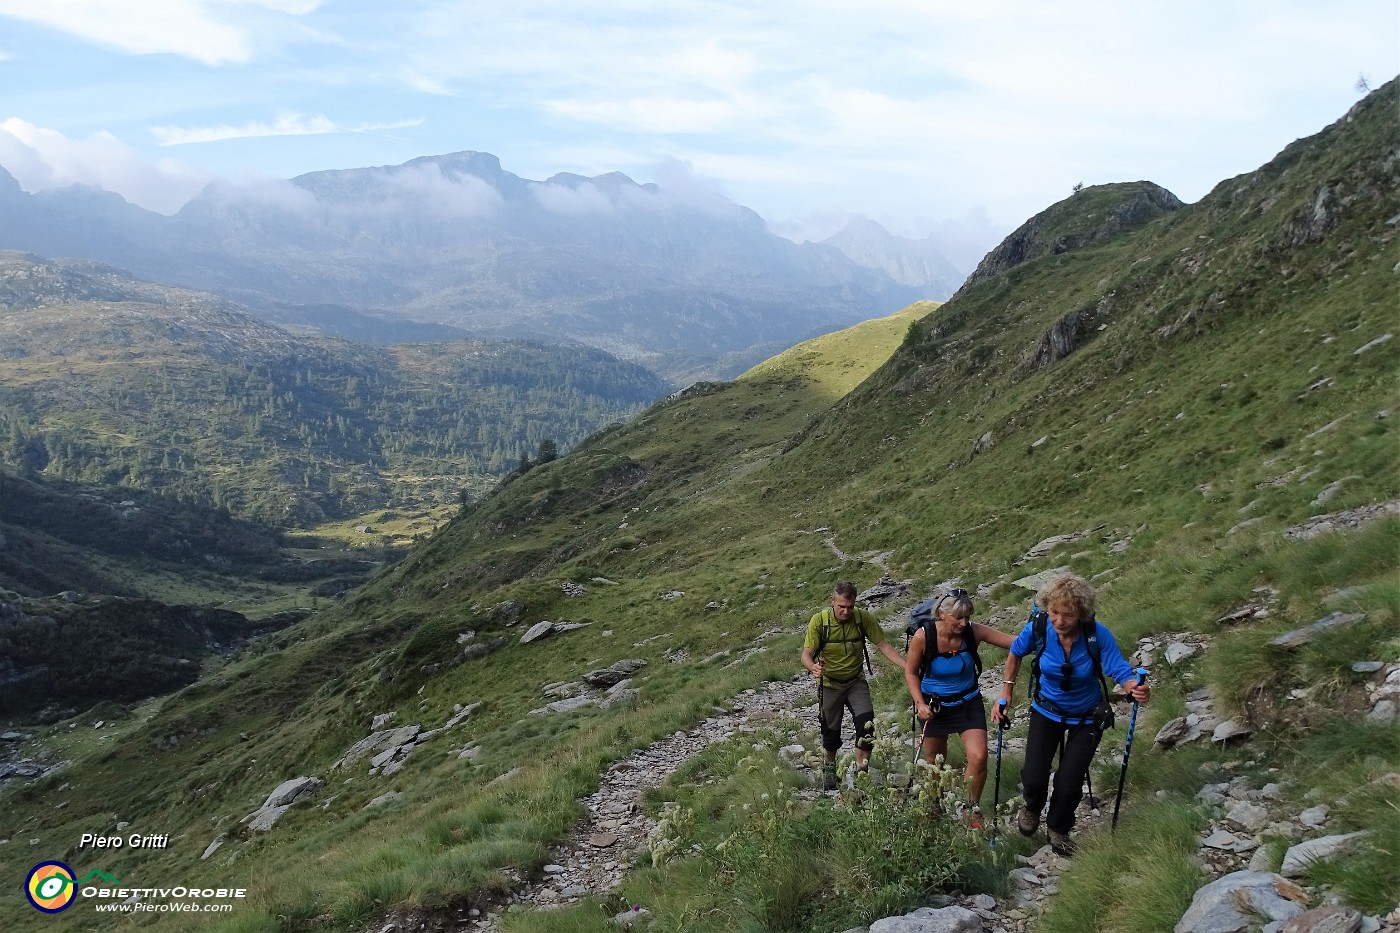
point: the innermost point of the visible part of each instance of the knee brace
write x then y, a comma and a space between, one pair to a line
865, 732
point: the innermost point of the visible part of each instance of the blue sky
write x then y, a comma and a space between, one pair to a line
922, 115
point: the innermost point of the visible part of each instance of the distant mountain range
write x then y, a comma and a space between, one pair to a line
690, 285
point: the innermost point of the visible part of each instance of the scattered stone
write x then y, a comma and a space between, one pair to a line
1229, 731
1329, 919
1313, 817
378, 741
214, 846
1248, 816
383, 799
1036, 580
931, 920
1341, 521
1382, 713
1297, 859
289, 792
1179, 651
602, 840
887, 588
1046, 545
264, 819
1174, 732
638, 918
1299, 637
1374, 343
1226, 904
614, 673
537, 631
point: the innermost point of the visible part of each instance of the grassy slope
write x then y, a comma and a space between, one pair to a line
1163, 441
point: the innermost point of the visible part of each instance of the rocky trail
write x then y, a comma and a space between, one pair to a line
1244, 892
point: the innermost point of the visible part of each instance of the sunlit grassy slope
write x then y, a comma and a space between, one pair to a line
1228, 378
834, 364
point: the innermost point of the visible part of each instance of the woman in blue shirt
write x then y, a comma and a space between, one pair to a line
945, 692
1063, 700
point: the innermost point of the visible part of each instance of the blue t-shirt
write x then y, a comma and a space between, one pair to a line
950, 676
1082, 693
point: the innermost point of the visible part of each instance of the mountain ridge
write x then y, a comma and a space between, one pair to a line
690, 284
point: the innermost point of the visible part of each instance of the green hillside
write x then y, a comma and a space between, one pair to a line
105, 379
1180, 394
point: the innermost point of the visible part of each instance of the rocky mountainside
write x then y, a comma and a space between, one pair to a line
689, 285
1195, 413
917, 263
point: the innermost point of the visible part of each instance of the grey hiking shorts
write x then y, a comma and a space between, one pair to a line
855, 696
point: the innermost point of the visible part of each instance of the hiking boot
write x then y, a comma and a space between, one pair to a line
1061, 844
1027, 822
829, 781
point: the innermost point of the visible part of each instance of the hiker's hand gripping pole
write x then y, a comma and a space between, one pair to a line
1128, 748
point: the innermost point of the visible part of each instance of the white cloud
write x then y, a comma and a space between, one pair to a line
585, 198
214, 32
287, 124
42, 158
433, 192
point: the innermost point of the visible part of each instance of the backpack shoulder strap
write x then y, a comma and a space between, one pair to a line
930, 645
1039, 620
864, 648
970, 646
1091, 641
824, 632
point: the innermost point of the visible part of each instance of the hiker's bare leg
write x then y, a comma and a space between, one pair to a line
935, 745
975, 746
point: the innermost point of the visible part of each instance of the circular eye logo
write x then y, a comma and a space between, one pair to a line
50, 887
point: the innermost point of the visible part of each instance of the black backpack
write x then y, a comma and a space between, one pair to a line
921, 617
1040, 621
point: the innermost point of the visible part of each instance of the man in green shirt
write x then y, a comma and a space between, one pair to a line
833, 651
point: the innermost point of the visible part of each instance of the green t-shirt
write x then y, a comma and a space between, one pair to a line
843, 655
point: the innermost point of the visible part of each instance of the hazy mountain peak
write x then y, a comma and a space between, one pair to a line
919, 263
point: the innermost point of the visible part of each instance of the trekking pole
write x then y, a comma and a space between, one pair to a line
1127, 749
996, 792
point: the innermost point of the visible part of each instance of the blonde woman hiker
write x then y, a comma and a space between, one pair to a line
832, 652
1071, 653
941, 672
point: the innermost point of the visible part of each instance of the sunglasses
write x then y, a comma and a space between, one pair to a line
1066, 676
956, 594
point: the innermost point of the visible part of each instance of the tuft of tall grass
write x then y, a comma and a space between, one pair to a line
1137, 880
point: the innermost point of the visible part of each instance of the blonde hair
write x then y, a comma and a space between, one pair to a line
1068, 592
959, 607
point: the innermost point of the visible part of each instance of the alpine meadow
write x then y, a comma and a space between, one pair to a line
1192, 406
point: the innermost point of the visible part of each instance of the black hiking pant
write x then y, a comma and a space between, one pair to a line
1042, 744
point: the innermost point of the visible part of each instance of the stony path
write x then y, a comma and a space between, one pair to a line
599, 851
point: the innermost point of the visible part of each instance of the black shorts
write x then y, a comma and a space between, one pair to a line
969, 714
